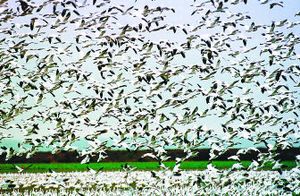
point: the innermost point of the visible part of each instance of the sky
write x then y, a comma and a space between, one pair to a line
260, 14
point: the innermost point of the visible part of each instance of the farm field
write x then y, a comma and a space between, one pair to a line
206, 182
117, 166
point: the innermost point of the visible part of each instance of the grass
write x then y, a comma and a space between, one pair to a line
117, 166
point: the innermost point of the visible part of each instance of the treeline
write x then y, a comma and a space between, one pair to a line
133, 156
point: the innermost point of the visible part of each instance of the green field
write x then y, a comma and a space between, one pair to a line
117, 166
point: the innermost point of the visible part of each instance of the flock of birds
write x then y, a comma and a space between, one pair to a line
108, 75
142, 183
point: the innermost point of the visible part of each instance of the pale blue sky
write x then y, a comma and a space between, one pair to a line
260, 14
